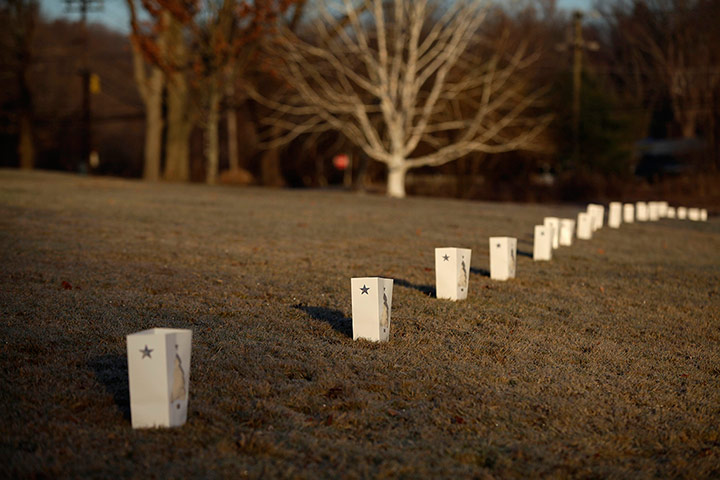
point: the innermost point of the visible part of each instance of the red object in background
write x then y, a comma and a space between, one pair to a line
341, 162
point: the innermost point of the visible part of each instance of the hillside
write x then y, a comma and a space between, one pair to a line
604, 362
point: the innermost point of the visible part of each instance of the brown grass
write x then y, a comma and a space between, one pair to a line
604, 362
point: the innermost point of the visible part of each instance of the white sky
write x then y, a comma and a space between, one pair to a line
114, 13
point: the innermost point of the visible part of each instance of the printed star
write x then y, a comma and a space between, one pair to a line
498, 245
364, 290
146, 352
446, 258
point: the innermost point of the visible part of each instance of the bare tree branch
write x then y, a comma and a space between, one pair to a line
411, 83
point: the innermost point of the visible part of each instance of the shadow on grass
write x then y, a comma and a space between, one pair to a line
335, 318
426, 289
480, 271
524, 254
112, 372
527, 239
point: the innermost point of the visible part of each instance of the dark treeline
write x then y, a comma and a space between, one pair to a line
624, 101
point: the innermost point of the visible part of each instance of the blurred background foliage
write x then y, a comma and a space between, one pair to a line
648, 119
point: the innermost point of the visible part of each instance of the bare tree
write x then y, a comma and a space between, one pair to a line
18, 19
163, 44
150, 81
226, 40
672, 44
407, 82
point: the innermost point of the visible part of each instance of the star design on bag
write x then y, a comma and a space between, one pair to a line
446, 258
364, 290
146, 352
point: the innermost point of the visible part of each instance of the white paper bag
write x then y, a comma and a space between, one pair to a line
542, 245
567, 231
452, 273
671, 212
653, 211
682, 213
597, 215
693, 214
554, 224
703, 215
503, 257
641, 212
371, 308
159, 376
662, 209
628, 213
584, 226
615, 215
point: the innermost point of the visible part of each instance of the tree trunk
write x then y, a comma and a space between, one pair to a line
212, 145
26, 150
319, 169
177, 148
688, 126
233, 156
396, 180
270, 174
153, 126
360, 175
179, 122
151, 87
461, 177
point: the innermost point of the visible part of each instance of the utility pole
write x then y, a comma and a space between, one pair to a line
84, 7
578, 44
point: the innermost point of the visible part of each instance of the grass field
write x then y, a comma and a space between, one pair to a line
604, 363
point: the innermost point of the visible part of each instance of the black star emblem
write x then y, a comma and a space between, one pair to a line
146, 352
364, 290
446, 258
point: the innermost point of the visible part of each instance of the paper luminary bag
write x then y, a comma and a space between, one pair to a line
615, 215
628, 213
703, 215
584, 226
567, 231
159, 376
371, 307
681, 213
542, 245
663, 209
554, 224
641, 212
597, 216
653, 211
671, 212
693, 214
452, 273
503, 257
